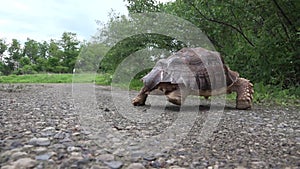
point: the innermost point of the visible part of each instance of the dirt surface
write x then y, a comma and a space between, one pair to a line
57, 126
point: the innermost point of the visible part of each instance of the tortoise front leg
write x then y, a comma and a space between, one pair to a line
140, 99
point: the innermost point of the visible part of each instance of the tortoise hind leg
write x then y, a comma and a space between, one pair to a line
177, 96
244, 90
174, 97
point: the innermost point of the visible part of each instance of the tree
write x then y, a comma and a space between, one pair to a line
3, 48
15, 53
31, 50
70, 47
127, 35
55, 58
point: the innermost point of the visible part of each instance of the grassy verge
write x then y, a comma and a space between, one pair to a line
264, 94
37, 78
102, 79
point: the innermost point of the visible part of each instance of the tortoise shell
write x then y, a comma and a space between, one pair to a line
195, 68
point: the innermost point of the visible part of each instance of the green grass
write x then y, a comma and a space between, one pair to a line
102, 79
37, 78
264, 94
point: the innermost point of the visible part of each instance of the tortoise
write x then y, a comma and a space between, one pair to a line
195, 71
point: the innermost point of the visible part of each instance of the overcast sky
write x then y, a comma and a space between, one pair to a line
46, 19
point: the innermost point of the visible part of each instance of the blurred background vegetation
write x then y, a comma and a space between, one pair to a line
258, 38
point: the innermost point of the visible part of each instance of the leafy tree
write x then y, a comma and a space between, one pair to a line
70, 48
90, 57
126, 35
15, 53
3, 48
31, 50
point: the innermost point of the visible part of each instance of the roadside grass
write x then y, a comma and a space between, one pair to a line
37, 78
264, 94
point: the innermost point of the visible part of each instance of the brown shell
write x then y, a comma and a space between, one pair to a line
195, 68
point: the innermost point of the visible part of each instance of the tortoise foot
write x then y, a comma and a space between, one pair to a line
245, 92
139, 100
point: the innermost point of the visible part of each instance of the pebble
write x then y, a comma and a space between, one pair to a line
58, 146
171, 161
114, 164
39, 141
136, 166
39, 150
18, 155
76, 134
106, 157
150, 158
24, 163
73, 148
99, 167
176, 167
43, 157
67, 139
59, 135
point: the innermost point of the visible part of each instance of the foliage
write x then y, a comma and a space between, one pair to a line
57, 56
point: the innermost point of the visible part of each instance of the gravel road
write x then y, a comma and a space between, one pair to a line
55, 126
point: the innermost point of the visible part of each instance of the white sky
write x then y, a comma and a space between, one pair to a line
46, 19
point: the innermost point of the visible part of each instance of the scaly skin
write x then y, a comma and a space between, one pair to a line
244, 90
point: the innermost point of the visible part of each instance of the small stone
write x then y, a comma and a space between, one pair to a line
99, 167
39, 141
171, 161
67, 139
73, 148
43, 157
155, 164
106, 157
176, 167
18, 155
83, 161
47, 133
76, 134
24, 163
49, 129
27, 132
7, 167
60, 135
114, 164
27, 146
85, 132
161, 161
16, 144
150, 158
59, 146
39, 150
136, 166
